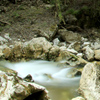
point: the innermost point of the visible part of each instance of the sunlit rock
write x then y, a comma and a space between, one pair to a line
80, 54
78, 98
72, 51
12, 87
56, 41
89, 53
97, 54
36, 48
90, 81
86, 44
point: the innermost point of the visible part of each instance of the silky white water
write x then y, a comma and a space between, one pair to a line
55, 76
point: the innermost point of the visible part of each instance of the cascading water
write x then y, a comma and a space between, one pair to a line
55, 77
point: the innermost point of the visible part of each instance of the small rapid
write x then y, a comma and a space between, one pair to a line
55, 76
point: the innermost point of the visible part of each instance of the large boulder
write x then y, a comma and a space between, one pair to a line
13, 87
36, 48
90, 81
69, 36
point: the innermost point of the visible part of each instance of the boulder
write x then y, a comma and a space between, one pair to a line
56, 41
48, 33
69, 36
89, 53
90, 81
13, 87
97, 54
36, 48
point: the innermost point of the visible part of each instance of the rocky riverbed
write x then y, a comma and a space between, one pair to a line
25, 37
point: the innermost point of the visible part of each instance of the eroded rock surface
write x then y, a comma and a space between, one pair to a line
90, 81
14, 88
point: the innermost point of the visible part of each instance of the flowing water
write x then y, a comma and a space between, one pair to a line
56, 77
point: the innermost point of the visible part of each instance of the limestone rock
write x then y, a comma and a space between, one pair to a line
89, 53
90, 81
17, 50
36, 48
72, 51
97, 54
86, 44
79, 54
75, 45
56, 41
14, 88
69, 36
78, 98
53, 53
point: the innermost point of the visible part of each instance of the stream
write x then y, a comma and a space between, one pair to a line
55, 76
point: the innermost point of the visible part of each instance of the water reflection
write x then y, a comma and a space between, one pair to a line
62, 93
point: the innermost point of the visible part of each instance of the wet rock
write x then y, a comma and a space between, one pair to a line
78, 98
56, 41
97, 54
69, 36
89, 53
28, 78
90, 81
73, 73
12, 87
